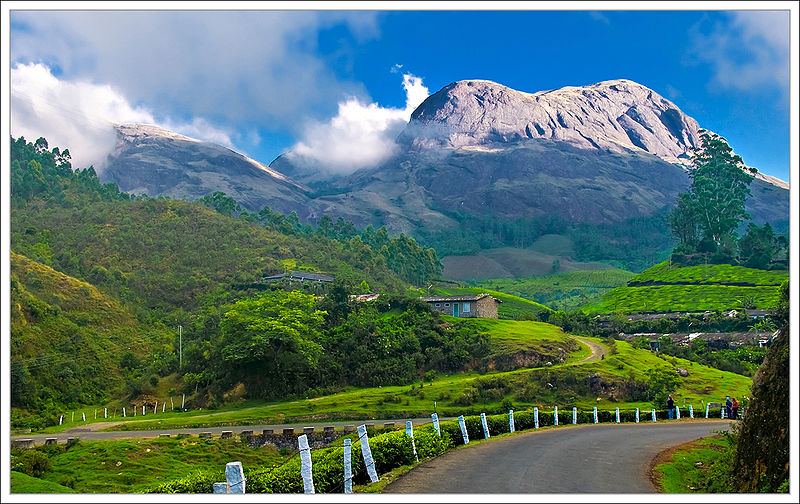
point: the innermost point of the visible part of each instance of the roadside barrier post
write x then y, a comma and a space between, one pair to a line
183, 403
595, 414
617, 415
485, 426
348, 470
369, 462
435, 419
60, 419
143, 410
95, 414
654, 415
555, 415
637, 415
691, 411
536, 416
84, 416
155, 408
305, 464
171, 404
234, 474
105, 412
123, 412
722, 412
163, 406
511, 420
410, 433
677, 413
463, 429
574, 416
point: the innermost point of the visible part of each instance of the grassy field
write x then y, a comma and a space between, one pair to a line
134, 465
566, 384
711, 273
686, 470
712, 287
561, 291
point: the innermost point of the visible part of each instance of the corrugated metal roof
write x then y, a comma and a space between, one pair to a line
302, 275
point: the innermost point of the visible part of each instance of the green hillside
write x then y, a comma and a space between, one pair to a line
68, 340
561, 291
669, 288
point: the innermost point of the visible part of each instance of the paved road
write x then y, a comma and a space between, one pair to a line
91, 431
570, 459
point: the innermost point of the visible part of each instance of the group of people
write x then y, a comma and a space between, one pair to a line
731, 408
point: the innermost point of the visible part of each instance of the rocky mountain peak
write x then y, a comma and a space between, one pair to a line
615, 115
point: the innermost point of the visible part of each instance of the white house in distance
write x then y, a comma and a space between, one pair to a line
469, 306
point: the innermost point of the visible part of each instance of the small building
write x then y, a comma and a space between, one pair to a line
302, 276
469, 306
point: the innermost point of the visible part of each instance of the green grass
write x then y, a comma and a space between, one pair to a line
561, 291
132, 466
711, 273
22, 483
686, 471
666, 298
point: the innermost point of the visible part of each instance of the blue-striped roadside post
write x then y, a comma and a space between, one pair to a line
536, 417
410, 433
691, 411
305, 464
511, 420
677, 413
555, 415
485, 426
348, 468
654, 415
574, 415
707, 405
637, 415
369, 462
435, 419
594, 414
617, 415
463, 429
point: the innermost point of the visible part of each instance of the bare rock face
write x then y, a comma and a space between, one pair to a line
616, 116
154, 161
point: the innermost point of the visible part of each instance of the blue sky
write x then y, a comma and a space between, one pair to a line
266, 82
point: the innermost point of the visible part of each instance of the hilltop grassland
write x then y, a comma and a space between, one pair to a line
667, 288
566, 291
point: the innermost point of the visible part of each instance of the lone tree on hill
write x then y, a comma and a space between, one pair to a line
712, 209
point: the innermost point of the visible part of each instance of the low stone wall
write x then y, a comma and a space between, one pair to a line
288, 441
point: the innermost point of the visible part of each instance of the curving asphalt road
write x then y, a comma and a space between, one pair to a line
599, 458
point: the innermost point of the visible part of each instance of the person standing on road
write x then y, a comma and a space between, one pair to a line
735, 409
728, 406
670, 407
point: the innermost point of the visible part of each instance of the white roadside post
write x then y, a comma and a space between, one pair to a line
183, 403
60, 419
595, 414
536, 416
707, 406
95, 414
171, 404
637, 415
677, 413
234, 474
463, 429
485, 426
691, 411
163, 406
123, 412
654, 415
155, 408
84, 416
617, 415
511, 420
305, 464
410, 433
144, 412
574, 415
348, 471
555, 415
435, 419
369, 462
105, 412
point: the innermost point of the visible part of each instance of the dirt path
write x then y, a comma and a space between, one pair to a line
598, 350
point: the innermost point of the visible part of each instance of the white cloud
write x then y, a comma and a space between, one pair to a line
78, 115
256, 67
360, 135
748, 52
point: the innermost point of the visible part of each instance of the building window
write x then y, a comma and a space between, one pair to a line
438, 305
465, 309
447, 304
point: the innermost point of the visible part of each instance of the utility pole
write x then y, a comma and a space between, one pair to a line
180, 346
